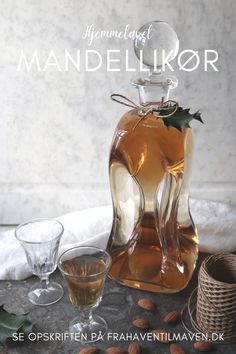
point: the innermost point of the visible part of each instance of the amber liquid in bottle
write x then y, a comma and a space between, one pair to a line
153, 241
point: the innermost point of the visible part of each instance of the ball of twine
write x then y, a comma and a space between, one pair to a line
211, 307
216, 295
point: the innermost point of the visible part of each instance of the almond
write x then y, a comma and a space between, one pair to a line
116, 350
89, 350
135, 348
172, 317
161, 335
203, 346
176, 349
146, 304
141, 323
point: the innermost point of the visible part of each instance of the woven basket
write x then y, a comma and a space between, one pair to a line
216, 295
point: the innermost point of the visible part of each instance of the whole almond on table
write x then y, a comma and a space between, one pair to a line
116, 350
203, 346
146, 304
135, 348
172, 317
90, 350
161, 335
176, 349
141, 323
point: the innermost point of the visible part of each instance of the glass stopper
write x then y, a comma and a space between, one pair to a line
152, 39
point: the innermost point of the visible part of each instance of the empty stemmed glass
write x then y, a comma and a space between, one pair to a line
85, 269
40, 240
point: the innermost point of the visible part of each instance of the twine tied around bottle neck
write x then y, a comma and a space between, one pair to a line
144, 109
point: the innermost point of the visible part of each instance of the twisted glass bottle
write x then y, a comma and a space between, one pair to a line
153, 241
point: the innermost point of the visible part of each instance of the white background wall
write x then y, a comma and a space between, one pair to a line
56, 127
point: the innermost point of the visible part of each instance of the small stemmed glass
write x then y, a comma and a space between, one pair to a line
85, 269
40, 240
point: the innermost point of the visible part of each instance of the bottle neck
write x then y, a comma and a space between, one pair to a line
155, 88
153, 93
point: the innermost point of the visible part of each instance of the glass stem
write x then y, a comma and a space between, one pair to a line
45, 281
86, 316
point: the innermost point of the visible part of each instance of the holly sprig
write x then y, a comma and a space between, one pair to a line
11, 323
179, 118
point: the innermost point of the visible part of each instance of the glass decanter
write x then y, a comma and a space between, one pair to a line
153, 241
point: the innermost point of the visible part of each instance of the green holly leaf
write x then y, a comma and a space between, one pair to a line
11, 323
180, 119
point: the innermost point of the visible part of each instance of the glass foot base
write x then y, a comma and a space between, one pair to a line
47, 295
89, 331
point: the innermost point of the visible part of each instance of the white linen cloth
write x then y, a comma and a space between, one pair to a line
216, 223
